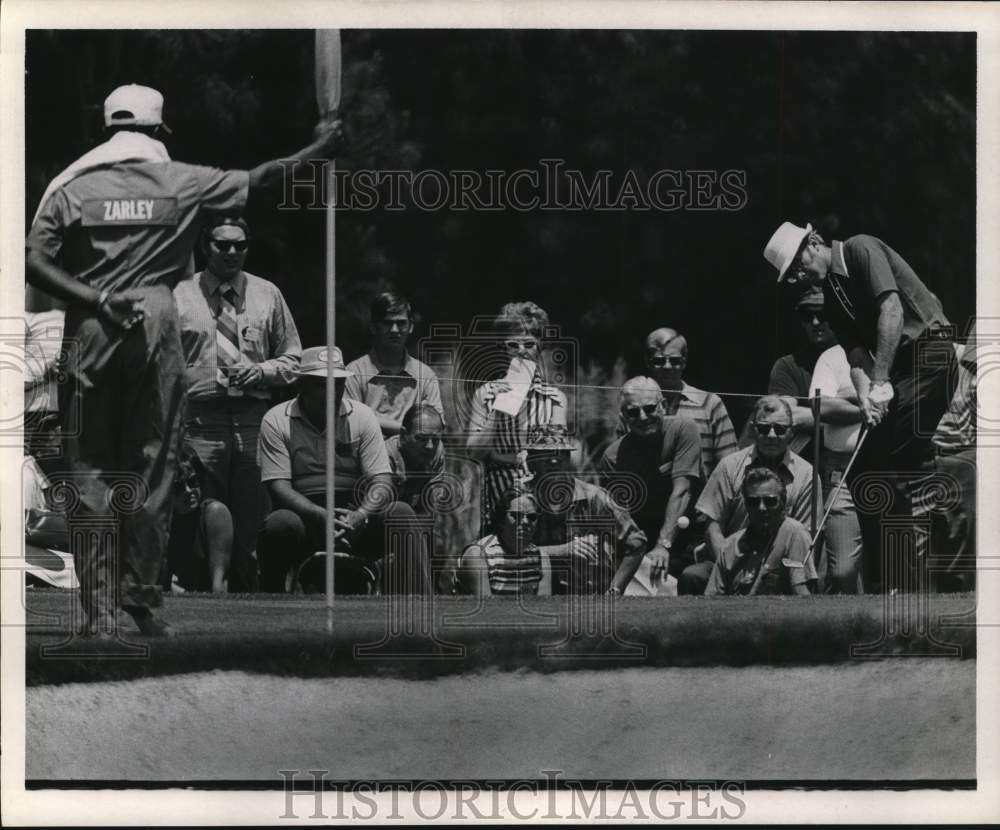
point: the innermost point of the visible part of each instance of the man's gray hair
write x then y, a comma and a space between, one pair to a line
641, 383
772, 405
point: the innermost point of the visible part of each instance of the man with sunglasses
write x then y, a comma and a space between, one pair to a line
655, 466
240, 343
114, 233
720, 503
666, 359
771, 555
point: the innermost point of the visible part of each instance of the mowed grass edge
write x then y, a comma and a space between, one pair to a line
417, 638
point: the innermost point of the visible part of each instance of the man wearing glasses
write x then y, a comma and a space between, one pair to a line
771, 555
720, 502
661, 455
666, 359
240, 342
894, 330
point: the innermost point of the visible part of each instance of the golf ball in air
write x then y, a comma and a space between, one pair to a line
683, 522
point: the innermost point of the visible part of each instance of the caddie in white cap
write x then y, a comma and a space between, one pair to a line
134, 105
113, 235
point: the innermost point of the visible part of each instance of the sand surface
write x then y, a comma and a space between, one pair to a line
893, 719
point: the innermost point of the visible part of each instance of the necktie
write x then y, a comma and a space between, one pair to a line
227, 338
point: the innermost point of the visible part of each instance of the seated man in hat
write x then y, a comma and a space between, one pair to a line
593, 543
655, 464
771, 555
370, 524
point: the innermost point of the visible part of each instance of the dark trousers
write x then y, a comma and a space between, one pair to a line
924, 377
393, 538
122, 409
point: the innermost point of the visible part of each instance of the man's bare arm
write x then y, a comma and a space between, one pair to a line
889, 330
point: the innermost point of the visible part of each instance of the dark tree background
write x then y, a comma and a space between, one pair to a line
855, 132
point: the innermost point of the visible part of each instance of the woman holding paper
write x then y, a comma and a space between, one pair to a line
504, 410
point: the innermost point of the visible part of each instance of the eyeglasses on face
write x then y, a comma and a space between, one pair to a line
763, 430
224, 246
659, 361
517, 516
649, 409
526, 345
807, 316
762, 502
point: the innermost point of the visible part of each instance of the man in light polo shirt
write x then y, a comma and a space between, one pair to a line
370, 525
113, 235
721, 504
389, 379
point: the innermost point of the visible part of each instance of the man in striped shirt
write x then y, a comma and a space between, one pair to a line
666, 359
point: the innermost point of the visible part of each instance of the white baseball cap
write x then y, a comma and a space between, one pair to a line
141, 106
319, 361
784, 244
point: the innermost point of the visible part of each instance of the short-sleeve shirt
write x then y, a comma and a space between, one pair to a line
592, 511
864, 269
391, 393
791, 375
833, 373
675, 452
292, 449
775, 566
722, 498
134, 224
264, 324
410, 484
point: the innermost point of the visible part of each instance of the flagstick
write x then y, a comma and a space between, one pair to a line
331, 398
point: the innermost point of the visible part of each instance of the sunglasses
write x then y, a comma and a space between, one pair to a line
765, 502
763, 430
661, 360
633, 411
516, 516
521, 345
224, 246
807, 316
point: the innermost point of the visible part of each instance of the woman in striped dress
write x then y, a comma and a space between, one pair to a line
496, 438
507, 562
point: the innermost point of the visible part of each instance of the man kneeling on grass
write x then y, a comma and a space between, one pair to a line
381, 535
771, 555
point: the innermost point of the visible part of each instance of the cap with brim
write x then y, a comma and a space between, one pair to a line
322, 362
783, 246
813, 298
550, 438
134, 105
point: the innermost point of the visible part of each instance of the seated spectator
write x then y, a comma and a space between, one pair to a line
201, 534
388, 379
497, 438
416, 456
293, 468
664, 455
507, 562
666, 359
771, 555
593, 543
720, 501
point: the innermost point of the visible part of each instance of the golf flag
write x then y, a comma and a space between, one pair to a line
327, 73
